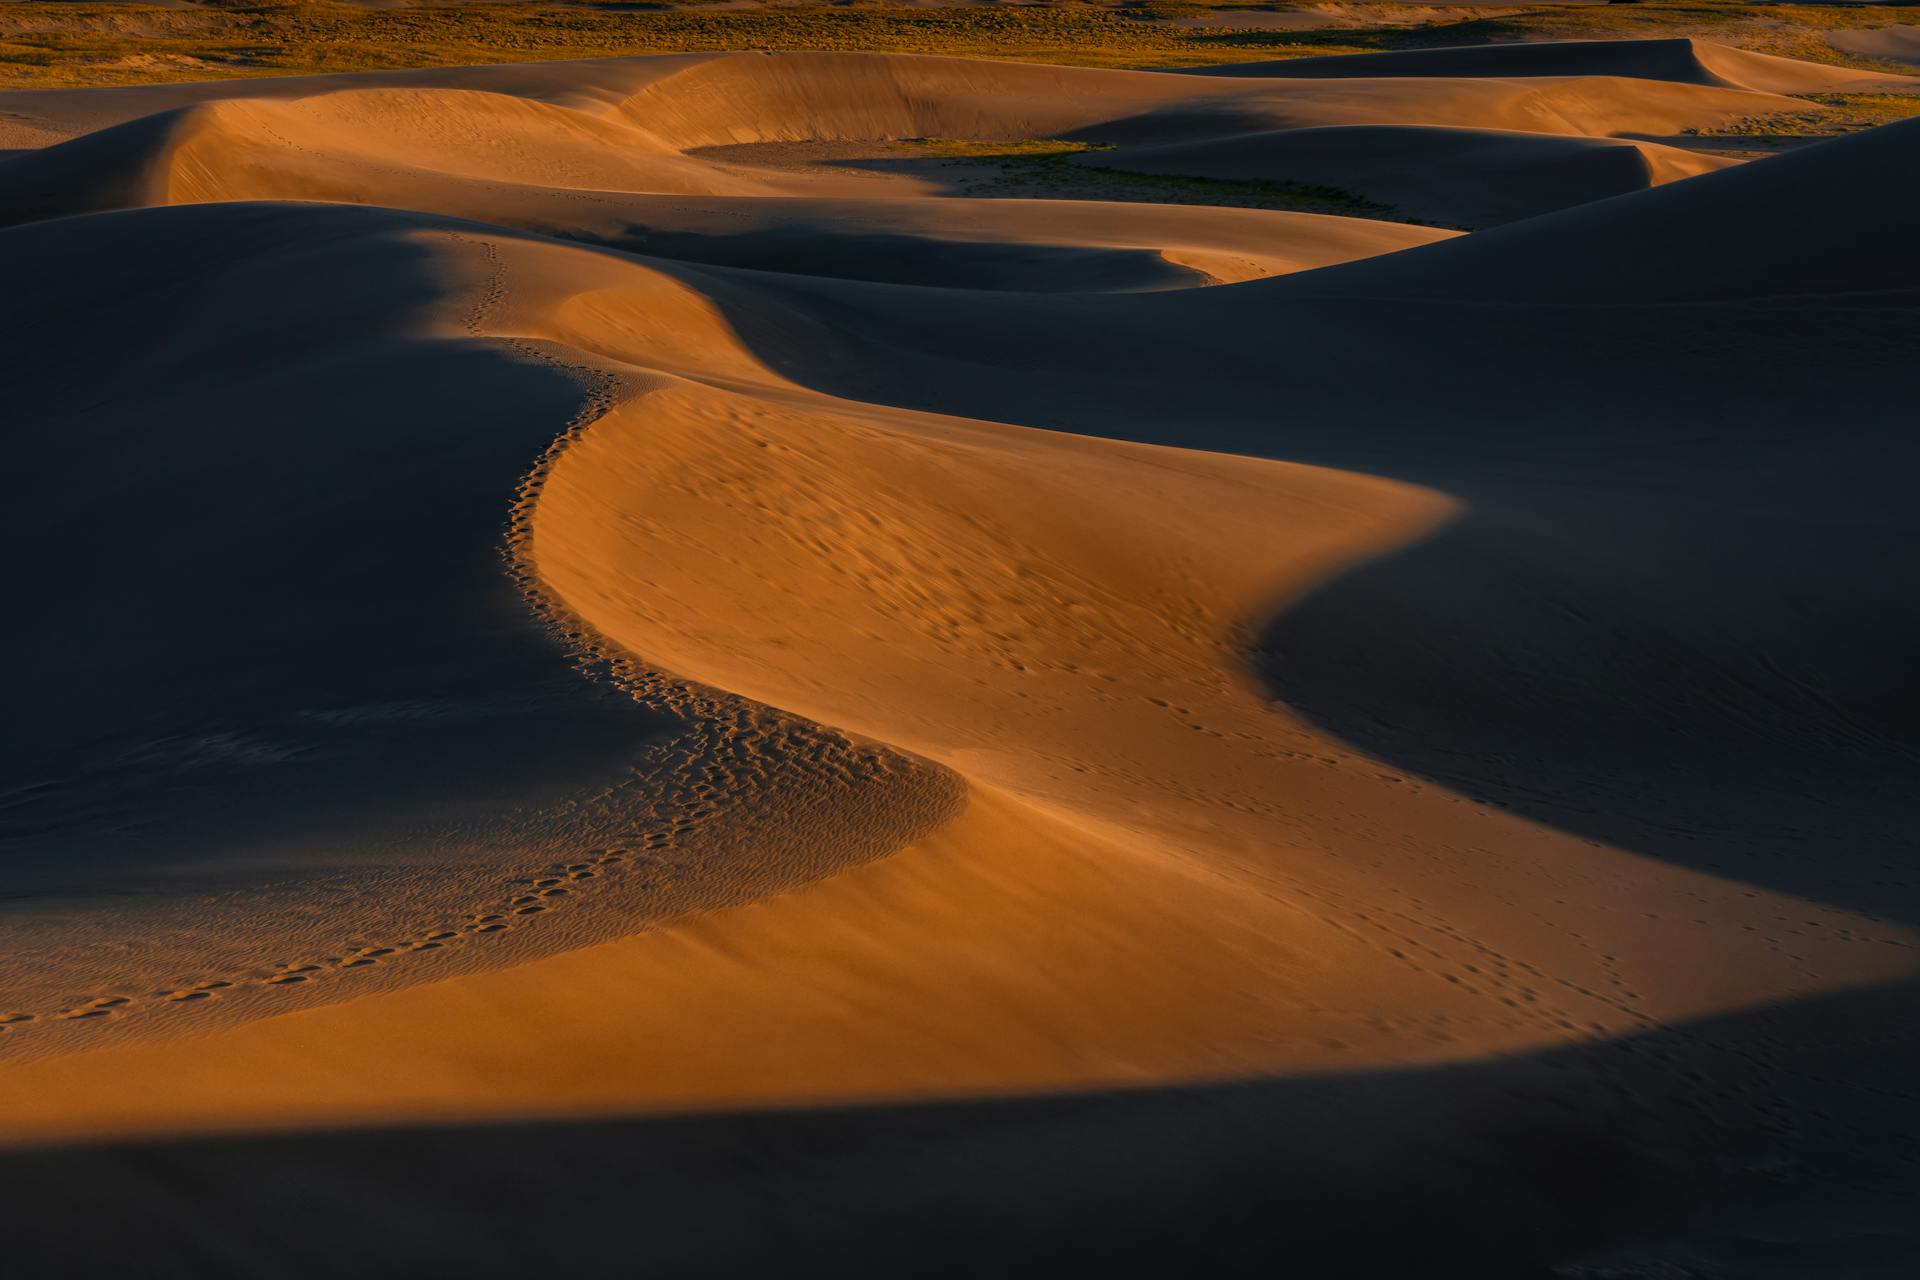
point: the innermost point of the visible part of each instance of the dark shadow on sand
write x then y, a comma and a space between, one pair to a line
1725, 684
1769, 1143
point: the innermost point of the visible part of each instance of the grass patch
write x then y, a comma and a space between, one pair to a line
45, 45
1833, 114
53, 44
1040, 169
1013, 150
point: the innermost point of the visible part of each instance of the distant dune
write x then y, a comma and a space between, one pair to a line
1680, 61
572, 676
1899, 43
1470, 177
522, 145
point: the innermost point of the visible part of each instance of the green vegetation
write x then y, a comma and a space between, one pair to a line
49, 44
1039, 169
1013, 150
59, 44
1787, 30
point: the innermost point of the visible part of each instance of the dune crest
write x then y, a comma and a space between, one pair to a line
420, 751
547, 148
1678, 61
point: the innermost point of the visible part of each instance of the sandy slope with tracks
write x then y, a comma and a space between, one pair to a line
534, 618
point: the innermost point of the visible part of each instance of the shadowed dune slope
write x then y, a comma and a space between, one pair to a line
1494, 1169
1472, 177
1682, 61
1748, 681
1469, 680
1688, 243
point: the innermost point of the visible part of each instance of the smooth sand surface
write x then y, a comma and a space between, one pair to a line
575, 680
1897, 43
1682, 61
1460, 177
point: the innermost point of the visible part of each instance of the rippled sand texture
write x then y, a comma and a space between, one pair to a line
526, 611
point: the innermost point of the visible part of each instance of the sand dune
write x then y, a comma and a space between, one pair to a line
1007, 244
1898, 43
1682, 61
1462, 177
432, 788
532, 619
499, 144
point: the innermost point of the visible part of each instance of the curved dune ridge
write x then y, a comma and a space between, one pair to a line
351, 703
564, 148
1680, 61
534, 615
1464, 177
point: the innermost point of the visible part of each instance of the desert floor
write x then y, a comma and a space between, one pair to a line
687, 664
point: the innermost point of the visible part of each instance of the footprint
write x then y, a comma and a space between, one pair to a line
286, 979
180, 997
530, 911
490, 928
